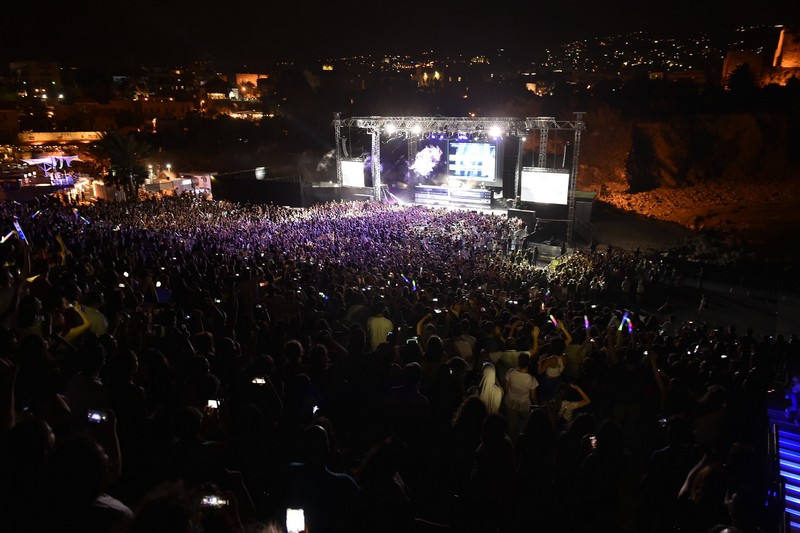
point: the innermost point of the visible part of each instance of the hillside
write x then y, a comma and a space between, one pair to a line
733, 175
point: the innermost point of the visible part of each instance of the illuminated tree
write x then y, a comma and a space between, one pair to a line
122, 154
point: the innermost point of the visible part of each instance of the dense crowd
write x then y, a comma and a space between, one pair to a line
182, 364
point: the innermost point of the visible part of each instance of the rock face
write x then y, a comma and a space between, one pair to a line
733, 173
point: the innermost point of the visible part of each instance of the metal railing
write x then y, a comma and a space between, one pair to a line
777, 517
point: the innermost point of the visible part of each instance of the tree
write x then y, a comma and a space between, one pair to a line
122, 155
742, 85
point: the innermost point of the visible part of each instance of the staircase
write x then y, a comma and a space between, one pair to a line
788, 447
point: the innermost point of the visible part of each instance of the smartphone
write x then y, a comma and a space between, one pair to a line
121, 285
663, 422
213, 404
158, 283
212, 500
259, 381
20, 232
295, 521
97, 416
593, 441
217, 300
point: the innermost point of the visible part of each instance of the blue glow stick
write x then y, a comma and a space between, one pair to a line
624, 318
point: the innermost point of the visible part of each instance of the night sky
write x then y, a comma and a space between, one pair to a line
85, 32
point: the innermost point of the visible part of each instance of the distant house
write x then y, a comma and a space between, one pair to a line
216, 89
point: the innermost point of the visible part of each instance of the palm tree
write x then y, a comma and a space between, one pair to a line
122, 154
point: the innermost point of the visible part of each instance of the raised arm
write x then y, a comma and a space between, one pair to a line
567, 336
585, 400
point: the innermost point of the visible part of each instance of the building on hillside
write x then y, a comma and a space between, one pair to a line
36, 77
85, 116
778, 68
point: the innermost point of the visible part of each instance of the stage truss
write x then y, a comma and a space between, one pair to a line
414, 128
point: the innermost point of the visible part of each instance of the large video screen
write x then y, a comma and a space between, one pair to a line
472, 161
544, 186
353, 173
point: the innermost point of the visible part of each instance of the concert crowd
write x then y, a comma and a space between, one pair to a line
187, 365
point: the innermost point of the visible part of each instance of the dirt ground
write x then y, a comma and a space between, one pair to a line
761, 219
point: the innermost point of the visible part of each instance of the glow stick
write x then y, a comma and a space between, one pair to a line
553, 320
586, 322
414, 285
8, 236
630, 326
624, 318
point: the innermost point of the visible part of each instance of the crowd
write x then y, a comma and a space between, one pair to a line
181, 364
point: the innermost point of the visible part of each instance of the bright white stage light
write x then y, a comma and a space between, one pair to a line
416, 129
495, 131
390, 129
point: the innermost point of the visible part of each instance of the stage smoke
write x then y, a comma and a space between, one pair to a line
326, 161
426, 160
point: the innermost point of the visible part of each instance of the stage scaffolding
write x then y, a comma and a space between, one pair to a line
413, 128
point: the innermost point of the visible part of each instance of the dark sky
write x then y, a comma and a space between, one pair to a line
86, 32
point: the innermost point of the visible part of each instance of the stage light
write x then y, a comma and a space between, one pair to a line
495, 131
416, 129
390, 129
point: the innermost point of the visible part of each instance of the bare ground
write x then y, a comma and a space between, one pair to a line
749, 219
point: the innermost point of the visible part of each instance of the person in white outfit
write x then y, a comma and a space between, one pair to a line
520, 394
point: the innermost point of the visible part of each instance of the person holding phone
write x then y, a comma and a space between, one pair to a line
328, 499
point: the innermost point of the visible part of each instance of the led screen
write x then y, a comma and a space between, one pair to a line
353, 173
471, 161
544, 187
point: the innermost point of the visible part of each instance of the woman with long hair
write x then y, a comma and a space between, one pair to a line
490, 393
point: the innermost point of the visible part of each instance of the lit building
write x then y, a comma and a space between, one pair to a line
36, 76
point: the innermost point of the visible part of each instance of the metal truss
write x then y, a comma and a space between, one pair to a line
412, 128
